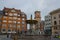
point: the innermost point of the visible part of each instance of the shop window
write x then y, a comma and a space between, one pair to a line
9, 30
3, 29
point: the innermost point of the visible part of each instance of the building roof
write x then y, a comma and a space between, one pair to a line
55, 11
8, 9
37, 11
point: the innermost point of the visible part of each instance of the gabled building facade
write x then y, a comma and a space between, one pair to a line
13, 21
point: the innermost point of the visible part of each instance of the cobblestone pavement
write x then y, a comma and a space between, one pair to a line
35, 38
4, 37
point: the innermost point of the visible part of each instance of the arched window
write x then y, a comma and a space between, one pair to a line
55, 22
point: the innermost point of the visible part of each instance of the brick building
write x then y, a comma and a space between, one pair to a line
13, 20
1, 14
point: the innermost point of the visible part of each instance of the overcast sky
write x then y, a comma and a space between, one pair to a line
29, 6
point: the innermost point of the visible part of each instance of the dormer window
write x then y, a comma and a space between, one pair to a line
12, 10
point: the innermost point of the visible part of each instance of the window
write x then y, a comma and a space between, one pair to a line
59, 21
18, 22
13, 31
18, 15
3, 24
18, 18
4, 17
10, 17
3, 29
9, 21
49, 20
9, 30
0, 16
6, 13
15, 14
23, 22
10, 25
12, 10
55, 22
14, 21
56, 32
4, 21
23, 15
14, 25
54, 17
55, 27
15, 18
10, 14
59, 15
18, 26
23, 19
22, 26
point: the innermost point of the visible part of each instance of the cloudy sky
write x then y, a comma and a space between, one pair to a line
29, 6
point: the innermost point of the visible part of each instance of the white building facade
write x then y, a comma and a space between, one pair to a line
47, 22
55, 22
